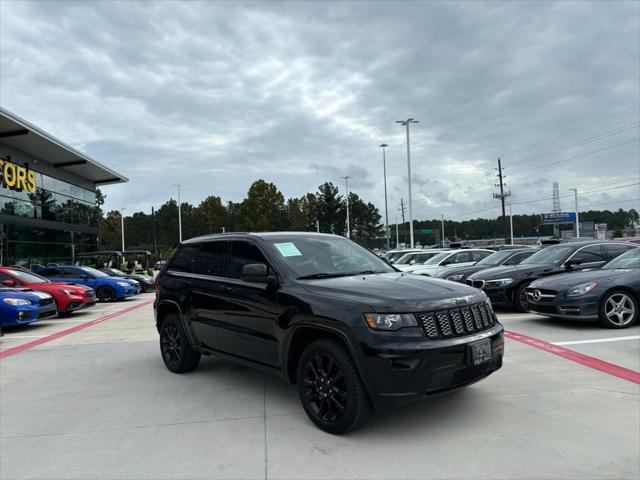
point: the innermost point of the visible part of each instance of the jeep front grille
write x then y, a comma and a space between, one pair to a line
456, 322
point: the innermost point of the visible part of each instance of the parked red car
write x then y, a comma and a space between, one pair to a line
68, 297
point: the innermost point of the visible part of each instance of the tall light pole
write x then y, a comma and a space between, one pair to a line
346, 182
406, 124
386, 209
122, 225
575, 192
442, 219
179, 212
510, 221
397, 234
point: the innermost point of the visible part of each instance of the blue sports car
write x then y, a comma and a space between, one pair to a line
107, 288
19, 306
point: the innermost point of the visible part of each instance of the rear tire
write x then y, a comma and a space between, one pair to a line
330, 388
106, 294
520, 302
177, 353
618, 309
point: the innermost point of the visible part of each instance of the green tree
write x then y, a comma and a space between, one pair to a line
617, 232
211, 215
364, 220
329, 209
263, 209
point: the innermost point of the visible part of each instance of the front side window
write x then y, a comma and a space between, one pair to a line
243, 253
589, 254
211, 258
549, 256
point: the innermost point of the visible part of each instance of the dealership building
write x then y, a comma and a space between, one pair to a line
48, 207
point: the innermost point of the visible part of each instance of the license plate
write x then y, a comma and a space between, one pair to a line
479, 352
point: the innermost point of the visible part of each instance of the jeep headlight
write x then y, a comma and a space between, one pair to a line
390, 321
455, 278
125, 284
499, 282
581, 289
16, 301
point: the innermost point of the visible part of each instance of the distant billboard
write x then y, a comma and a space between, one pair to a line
562, 217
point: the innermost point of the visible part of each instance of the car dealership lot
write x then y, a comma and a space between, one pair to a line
97, 402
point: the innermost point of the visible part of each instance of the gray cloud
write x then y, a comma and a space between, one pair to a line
214, 95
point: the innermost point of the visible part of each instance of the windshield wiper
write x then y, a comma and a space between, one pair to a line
321, 275
334, 275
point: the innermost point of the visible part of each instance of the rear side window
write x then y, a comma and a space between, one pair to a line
243, 253
614, 250
211, 258
183, 261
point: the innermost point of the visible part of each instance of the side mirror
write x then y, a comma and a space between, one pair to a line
9, 283
445, 263
257, 273
569, 264
412, 262
85, 277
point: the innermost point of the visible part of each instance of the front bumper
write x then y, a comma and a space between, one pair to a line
409, 367
78, 302
578, 308
125, 292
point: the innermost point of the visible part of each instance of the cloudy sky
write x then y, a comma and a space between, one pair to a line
215, 95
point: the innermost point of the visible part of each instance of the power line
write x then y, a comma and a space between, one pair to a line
576, 156
535, 200
572, 130
584, 141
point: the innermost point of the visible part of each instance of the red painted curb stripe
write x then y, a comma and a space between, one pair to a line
68, 331
586, 360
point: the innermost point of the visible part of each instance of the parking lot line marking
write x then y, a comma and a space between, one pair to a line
9, 336
68, 331
599, 340
586, 360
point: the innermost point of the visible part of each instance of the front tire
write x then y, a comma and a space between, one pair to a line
521, 303
177, 353
618, 309
106, 294
330, 389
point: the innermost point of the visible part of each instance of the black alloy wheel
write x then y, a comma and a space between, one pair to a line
177, 353
105, 294
325, 388
330, 388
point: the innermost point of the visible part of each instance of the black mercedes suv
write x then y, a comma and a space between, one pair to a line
325, 314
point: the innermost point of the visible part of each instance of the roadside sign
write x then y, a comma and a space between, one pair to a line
562, 217
426, 231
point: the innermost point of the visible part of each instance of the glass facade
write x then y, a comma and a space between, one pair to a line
53, 200
27, 240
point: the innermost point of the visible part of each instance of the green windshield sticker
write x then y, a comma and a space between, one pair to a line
288, 249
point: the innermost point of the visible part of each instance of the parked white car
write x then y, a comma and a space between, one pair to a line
458, 258
393, 255
413, 259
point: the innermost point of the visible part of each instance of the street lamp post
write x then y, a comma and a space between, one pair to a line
179, 212
442, 219
346, 182
386, 209
122, 225
575, 192
406, 124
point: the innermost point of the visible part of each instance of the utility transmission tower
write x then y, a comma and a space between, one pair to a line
502, 195
556, 208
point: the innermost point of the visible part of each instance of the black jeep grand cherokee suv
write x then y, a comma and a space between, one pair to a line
327, 315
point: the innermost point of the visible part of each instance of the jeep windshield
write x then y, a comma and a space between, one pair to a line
319, 257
